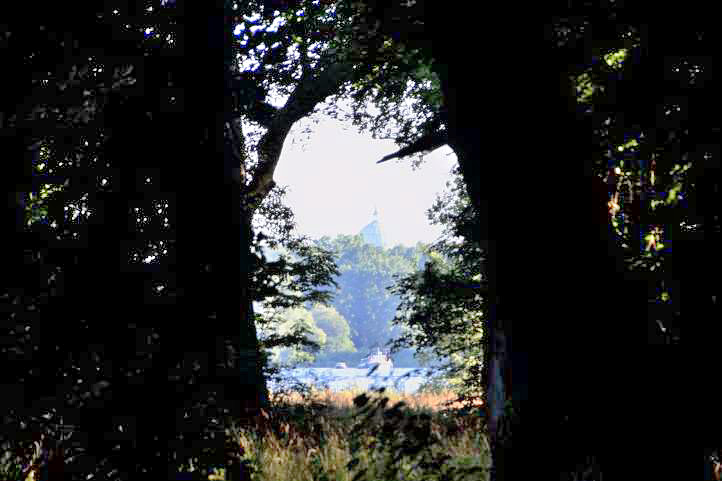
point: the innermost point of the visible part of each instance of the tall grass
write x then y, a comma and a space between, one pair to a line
320, 435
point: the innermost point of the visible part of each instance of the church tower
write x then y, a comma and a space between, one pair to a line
372, 232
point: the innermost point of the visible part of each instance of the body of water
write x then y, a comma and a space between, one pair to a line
402, 379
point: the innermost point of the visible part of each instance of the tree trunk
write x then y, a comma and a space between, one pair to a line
462, 110
550, 257
218, 231
249, 353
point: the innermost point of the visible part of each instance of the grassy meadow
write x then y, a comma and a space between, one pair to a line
316, 435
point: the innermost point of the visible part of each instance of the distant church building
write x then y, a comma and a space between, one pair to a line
372, 232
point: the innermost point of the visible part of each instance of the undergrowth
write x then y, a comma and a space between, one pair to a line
350, 435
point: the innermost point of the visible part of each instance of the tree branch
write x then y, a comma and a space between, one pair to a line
428, 142
312, 89
251, 102
262, 113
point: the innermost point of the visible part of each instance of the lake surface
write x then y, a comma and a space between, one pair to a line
403, 379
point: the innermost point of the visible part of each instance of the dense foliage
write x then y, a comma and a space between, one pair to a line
359, 312
98, 164
441, 303
366, 271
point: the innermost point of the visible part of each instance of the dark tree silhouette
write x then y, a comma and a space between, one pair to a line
104, 301
593, 342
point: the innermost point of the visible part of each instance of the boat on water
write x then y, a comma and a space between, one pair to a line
379, 359
341, 365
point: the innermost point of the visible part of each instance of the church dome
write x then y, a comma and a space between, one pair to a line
372, 232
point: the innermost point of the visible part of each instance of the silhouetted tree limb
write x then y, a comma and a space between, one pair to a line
313, 88
426, 143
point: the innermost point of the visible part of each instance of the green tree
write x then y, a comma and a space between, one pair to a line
298, 321
336, 328
651, 185
440, 303
64, 67
365, 273
646, 115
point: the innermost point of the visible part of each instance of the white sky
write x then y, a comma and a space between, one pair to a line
334, 183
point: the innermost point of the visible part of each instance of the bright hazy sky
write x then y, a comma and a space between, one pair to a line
334, 183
